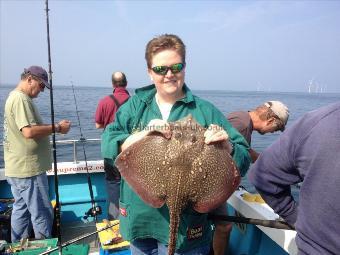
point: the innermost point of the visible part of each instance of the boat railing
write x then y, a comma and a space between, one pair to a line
74, 142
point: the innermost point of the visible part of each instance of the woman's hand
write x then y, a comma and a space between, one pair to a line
215, 134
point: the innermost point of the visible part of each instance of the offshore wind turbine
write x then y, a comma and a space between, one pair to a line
310, 85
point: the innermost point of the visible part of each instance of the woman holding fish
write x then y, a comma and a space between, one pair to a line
153, 146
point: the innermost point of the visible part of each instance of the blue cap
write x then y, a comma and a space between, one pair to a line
40, 73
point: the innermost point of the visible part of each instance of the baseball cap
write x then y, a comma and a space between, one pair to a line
38, 72
280, 110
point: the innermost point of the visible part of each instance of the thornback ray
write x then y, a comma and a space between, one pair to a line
181, 171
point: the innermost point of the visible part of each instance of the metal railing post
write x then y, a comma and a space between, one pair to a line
74, 152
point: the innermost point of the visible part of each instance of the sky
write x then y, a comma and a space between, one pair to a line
231, 45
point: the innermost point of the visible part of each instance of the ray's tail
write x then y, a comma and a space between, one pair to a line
174, 224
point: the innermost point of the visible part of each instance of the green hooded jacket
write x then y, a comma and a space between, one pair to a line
139, 220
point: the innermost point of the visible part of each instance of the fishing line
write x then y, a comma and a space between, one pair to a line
54, 147
95, 209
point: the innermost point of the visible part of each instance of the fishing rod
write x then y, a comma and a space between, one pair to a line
79, 238
95, 209
54, 146
265, 223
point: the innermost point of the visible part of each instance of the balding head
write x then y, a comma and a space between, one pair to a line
119, 79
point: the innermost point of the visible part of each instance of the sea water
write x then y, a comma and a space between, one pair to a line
87, 99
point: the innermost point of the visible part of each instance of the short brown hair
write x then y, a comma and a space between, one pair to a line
164, 42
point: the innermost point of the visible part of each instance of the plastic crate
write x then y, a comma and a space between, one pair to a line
74, 249
42, 245
114, 252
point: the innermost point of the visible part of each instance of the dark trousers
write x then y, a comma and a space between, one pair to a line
112, 182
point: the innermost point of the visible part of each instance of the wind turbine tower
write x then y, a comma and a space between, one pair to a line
310, 85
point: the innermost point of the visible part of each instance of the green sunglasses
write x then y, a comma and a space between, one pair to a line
163, 70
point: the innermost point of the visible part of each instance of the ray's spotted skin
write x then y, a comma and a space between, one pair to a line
181, 171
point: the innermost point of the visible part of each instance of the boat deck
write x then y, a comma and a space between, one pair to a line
74, 230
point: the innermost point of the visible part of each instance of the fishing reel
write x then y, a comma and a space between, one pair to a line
92, 212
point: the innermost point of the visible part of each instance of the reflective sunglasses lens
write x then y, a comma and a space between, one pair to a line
160, 69
176, 68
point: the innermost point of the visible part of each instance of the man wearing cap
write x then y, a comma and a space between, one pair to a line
27, 156
105, 114
270, 117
